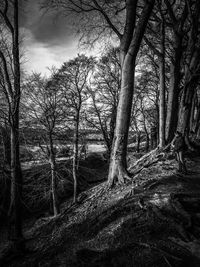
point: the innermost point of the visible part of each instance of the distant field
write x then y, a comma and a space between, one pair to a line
33, 155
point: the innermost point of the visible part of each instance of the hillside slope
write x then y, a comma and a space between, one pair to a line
152, 221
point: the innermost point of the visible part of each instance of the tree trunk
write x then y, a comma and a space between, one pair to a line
192, 115
15, 231
173, 96
16, 174
162, 88
118, 165
191, 70
147, 140
6, 146
5, 200
130, 44
190, 85
185, 108
75, 155
52, 162
197, 120
112, 127
154, 133
138, 138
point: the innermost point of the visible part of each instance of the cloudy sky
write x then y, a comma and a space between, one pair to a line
48, 40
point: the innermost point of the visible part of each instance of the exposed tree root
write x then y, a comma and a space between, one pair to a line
149, 159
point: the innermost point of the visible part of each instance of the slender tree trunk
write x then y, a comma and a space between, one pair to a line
6, 146
138, 138
192, 115
147, 139
154, 133
162, 88
15, 231
5, 203
75, 155
52, 162
16, 174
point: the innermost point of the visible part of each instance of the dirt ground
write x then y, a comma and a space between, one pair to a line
154, 220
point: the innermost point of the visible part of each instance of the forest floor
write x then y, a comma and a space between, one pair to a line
154, 220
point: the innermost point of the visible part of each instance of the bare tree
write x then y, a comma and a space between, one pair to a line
191, 66
10, 69
130, 32
43, 104
177, 20
104, 92
74, 76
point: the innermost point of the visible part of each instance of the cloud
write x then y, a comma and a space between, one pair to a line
48, 41
40, 56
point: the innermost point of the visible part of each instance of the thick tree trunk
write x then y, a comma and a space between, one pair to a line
162, 88
117, 168
130, 44
185, 108
112, 127
191, 82
173, 96
191, 70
